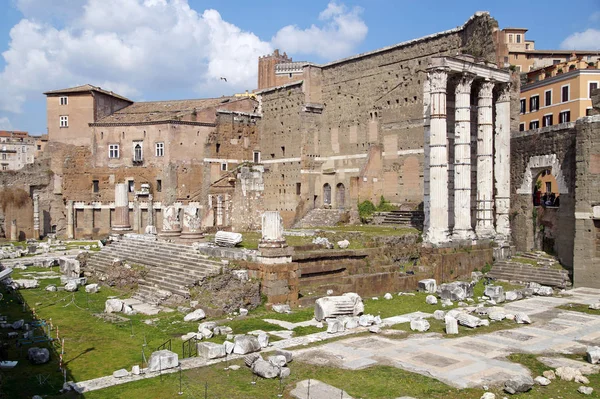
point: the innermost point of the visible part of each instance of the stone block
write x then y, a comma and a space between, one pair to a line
428, 285
334, 326
196, 315
593, 354
349, 304
419, 325
495, 293
163, 360
211, 350
245, 344
451, 325
431, 300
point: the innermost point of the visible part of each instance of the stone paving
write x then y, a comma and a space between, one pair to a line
478, 360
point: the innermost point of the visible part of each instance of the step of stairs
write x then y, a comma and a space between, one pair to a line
320, 217
516, 271
169, 267
405, 218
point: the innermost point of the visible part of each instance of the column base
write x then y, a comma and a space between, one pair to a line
169, 233
437, 236
191, 236
275, 255
463, 234
121, 229
486, 233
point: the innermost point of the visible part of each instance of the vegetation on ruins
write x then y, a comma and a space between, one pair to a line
16, 197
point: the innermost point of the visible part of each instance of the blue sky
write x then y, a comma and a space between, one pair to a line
168, 49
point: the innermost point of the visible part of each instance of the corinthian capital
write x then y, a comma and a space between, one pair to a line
486, 88
504, 92
463, 86
438, 79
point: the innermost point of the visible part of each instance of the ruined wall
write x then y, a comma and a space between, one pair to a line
532, 152
374, 99
586, 269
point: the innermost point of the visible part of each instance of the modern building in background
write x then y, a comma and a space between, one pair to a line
17, 149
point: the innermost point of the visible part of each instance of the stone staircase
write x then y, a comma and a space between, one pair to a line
548, 271
319, 217
404, 218
171, 268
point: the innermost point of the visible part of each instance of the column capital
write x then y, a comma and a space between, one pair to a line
438, 79
464, 83
486, 88
503, 92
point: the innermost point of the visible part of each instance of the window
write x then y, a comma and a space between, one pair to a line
95, 186
39, 147
256, 156
534, 103
224, 166
217, 147
113, 151
158, 186
564, 117
527, 47
4, 167
137, 151
523, 105
564, 90
160, 149
64, 121
521, 127
555, 62
510, 38
518, 38
588, 111
298, 188
64, 100
3, 156
131, 185
592, 86
547, 120
548, 98
534, 125
283, 150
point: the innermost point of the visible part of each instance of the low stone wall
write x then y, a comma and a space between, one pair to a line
449, 264
279, 283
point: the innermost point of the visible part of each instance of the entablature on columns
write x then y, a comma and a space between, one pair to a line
467, 64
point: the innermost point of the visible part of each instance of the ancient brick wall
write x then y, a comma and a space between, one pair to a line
586, 269
532, 152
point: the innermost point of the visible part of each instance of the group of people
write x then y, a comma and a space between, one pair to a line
546, 199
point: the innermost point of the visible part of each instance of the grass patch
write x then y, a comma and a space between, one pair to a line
577, 307
439, 326
528, 261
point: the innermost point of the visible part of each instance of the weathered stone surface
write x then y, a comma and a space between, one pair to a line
518, 384
488, 395
334, 326
282, 308
51, 288
245, 344
285, 353
265, 369
419, 325
209, 325
228, 347
343, 244
439, 315
522, 318
387, 296
567, 373
428, 285
135, 370
431, 300
468, 320
451, 325
543, 381
25, 284
120, 373
128, 310
545, 291
211, 350
375, 329
351, 322
595, 306
163, 360
113, 306
92, 288
366, 320
71, 286
227, 239
17, 325
495, 293
251, 358
349, 304
277, 360
497, 315
38, 355
263, 340
549, 374
447, 302
513, 295
455, 291
593, 354
318, 390
196, 315
585, 390
284, 372
69, 267
476, 276
206, 333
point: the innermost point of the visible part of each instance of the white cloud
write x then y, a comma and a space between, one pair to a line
342, 31
127, 46
586, 40
5, 123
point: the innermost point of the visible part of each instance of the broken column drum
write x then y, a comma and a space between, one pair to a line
14, 234
150, 227
272, 231
121, 221
192, 223
451, 197
349, 304
171, 224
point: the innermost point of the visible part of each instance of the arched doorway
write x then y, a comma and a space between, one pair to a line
340, 196
326, 195
545, 192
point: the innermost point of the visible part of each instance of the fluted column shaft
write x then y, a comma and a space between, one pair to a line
427, 132
502, 164
485, 166
462, 159
70, 221
437, 232
121, 221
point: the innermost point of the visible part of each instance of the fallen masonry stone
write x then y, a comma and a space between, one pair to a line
206, 333
387, 296
497, 316
455, 291
228, 347
549, 374
245, 344
334, 326
277, 360
51, 288
243, 312
25, 284
593, 354
488, 395
545, 291
196, 315
349, 304
241, 275
585, 390
476, 276
581, 379
439, 315
128, 310
282, 308
317, 390
113, 306
543, 381
351, 323
518, 384
595, 306
284, 372
451, 325
447, 302
468, 320
71, 286
343, 244
91, 288
366, 320
17, 325
120, 373
428, 285
495, 293
513, 295
285, 353
211, 350
263, 340
251, 358
419, 325
431, 300
567, 373
209, 325
38, 355
227, 239
522, 318
375, 329
163, 360
234, 367
265, 369
135, 370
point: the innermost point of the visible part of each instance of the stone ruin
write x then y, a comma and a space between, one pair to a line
349, 304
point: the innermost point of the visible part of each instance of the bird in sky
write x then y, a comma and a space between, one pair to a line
222, 78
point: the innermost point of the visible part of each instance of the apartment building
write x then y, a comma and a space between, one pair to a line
17, 149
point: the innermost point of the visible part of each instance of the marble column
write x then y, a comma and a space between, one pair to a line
437, 232
171, 226
150, 227
121, 221
137, 215
36, 216
427, 132
502, 164
14, 232
485, 165
462, 160
192, 223
273, 247
70, 220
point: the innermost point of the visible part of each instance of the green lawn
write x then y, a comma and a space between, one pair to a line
577, 307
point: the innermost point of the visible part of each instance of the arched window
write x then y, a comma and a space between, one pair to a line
340, 196
326, 194
137, 152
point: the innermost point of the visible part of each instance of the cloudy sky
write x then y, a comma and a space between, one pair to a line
170, 49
